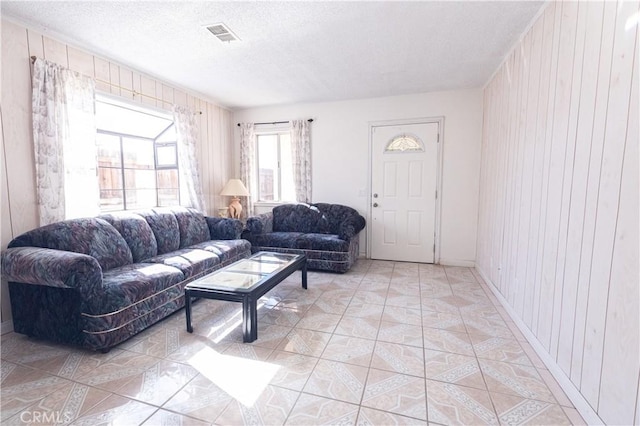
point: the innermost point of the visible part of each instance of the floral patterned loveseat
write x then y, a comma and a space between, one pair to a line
327, 233
95, 282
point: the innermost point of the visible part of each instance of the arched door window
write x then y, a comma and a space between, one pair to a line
405, 142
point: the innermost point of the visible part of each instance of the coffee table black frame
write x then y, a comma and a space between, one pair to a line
248, 296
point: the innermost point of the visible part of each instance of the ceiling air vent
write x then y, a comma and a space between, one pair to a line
222, 32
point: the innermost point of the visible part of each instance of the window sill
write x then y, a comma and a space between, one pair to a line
260, 207
271, 203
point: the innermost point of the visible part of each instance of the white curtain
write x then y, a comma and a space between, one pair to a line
301, 147
64, 138
248, 162
187, 132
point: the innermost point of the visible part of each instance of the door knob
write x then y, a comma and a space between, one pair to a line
375, 195
375, 204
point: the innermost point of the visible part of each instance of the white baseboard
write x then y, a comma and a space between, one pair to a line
444, 262
579, 402
6, 327
457, 262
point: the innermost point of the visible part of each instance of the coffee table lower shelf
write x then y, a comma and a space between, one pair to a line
207, 288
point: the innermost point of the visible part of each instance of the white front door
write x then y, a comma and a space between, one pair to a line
403, 183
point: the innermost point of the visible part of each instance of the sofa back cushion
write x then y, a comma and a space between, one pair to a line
92, 236
299, 218
192, 226
339, 216
136, 232
164, 225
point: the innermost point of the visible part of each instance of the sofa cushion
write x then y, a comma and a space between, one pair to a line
92, 236
136, 232
276, 239
324, 242
341, 220
164, 225
260, 224
190, 261
222, 228
129, 284
225, 250
301, 218
192, 226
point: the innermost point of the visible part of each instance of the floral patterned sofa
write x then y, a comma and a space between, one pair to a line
95, 282
327, 233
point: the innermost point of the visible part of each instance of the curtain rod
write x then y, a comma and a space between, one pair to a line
278, 122
117, 86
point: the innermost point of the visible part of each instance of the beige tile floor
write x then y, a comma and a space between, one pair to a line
387, 343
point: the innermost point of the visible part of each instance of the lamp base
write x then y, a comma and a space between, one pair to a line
235, 208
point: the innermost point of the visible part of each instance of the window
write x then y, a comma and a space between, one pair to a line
137, 157
404, 143
275, 167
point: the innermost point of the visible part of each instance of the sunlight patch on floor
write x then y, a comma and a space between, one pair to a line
243, 379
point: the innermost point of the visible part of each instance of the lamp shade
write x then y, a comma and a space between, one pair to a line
235, 188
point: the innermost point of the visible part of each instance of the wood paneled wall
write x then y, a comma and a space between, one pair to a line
19, 211
558, 222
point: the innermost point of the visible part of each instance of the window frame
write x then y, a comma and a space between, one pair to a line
155, 145
277, 132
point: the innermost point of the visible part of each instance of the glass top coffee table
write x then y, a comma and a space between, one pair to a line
246, 281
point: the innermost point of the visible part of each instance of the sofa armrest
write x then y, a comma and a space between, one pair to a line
222, 228
54, 268
260, 224
350, 227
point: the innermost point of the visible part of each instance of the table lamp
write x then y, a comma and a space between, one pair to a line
235, 188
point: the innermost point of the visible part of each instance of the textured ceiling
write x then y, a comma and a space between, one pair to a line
292, 52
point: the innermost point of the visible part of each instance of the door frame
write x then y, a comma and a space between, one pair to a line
438, 206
